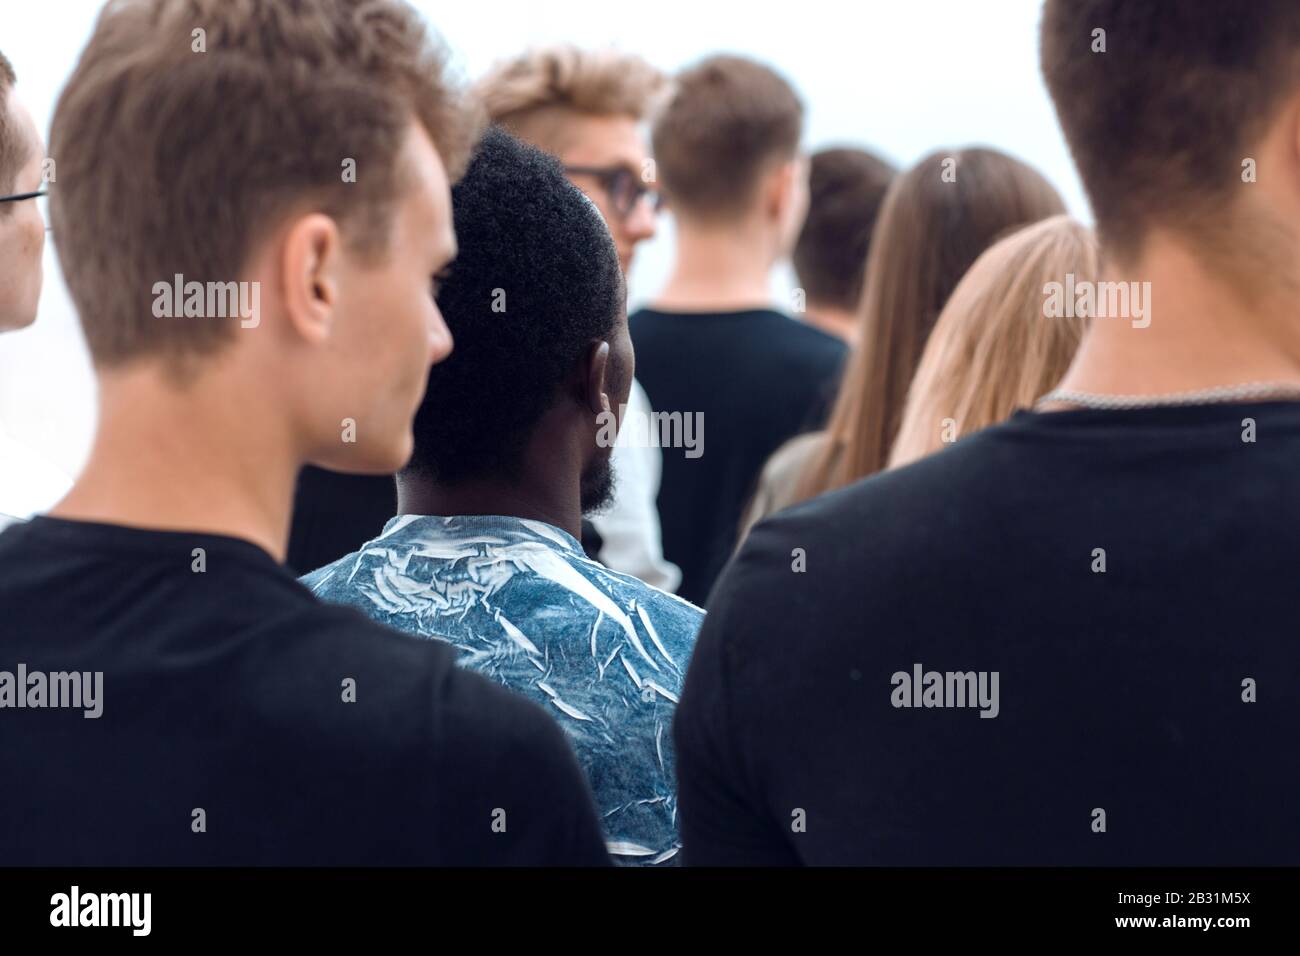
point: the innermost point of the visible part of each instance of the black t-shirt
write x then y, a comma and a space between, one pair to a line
758, 378
1147, 713
335, 512
226, 734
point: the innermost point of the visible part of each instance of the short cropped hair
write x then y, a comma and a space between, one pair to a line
729, 119
846, 188
190, 128
533, 94
536, 282
14, 149
1160, 123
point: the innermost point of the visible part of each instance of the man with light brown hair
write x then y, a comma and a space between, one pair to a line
252, 235
711, 346
28, 483
22, 231
586, 107
846, 188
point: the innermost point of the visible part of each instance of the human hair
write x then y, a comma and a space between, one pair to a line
14, 148
532, 95
845, 187
1161, 121
937, 218
536, 282
994, 349
729, 120
191, 128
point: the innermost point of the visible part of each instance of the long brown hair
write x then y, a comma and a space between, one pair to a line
994, 349
936, 220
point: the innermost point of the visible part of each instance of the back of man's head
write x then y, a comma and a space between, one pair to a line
1163, 105
728, 121
537, 282
534, 95
22, 230
846, 188
191, 130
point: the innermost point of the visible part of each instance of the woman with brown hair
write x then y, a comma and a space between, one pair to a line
937, 219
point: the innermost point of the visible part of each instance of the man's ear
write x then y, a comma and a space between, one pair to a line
597, 377
310, 264
779, 190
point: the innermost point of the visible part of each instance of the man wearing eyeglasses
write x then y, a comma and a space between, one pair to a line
586, 107
22, 230
28, 484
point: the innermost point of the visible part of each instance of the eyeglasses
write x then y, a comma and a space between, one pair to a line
624, 187
42, 198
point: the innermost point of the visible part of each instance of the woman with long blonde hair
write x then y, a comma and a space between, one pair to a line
994, 348
936, 219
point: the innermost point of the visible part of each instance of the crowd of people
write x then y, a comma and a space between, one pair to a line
435, 555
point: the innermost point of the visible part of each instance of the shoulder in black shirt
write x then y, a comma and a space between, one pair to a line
1129, 577
243, 722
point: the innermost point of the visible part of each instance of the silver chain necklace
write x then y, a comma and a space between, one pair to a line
1252, 391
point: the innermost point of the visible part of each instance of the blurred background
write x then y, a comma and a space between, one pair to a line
902, 78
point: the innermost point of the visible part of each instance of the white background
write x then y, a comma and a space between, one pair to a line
900, 76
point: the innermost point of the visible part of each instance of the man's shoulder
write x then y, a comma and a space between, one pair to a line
655, 332
349, 580
412, 674
886, 517
809, 335
798, 341
668, 618
643, 319
645, 595
329, 577
313, 629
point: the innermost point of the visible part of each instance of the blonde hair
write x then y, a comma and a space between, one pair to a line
937, 219
993, 349
533, 94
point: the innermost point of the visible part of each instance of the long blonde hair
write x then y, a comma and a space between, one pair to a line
936, 220
993, 349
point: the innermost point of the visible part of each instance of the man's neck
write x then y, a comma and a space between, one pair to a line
419, 496
1202, 333
174, 460
719, 269
833, 320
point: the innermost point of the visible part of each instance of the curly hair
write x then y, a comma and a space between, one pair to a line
536, 282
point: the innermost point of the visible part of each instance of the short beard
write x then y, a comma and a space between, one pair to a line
597, 487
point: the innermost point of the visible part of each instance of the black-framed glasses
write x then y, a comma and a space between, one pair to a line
624, 188
42, 197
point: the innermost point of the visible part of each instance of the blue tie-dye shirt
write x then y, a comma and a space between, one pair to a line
604, 652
